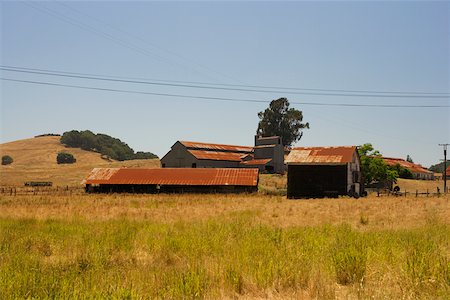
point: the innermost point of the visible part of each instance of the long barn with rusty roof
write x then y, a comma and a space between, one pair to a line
417, 170
133, 180
324, 171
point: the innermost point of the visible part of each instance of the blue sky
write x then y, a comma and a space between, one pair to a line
375, 46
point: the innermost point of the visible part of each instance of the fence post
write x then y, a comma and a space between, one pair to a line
417, 193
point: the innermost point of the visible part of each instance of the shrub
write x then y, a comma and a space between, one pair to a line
65, 158
7, 160
104, 144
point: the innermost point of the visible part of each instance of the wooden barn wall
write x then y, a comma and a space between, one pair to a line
311, 181
153, 189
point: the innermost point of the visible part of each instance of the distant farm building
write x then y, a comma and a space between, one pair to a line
417, 170
267, 155
324, 172
128, 180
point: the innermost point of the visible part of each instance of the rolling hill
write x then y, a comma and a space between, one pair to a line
35, 160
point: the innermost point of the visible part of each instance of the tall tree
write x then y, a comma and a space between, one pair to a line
409, 159
280, 120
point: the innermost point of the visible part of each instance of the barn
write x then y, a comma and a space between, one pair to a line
267, 155
315, 172
417, 170
132, 180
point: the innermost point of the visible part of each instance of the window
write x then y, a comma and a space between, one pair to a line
194, 165
163, 165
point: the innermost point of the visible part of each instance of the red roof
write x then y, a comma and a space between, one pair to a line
217, 147
256, 162
215, 155
168, 176
414, 168
321, 155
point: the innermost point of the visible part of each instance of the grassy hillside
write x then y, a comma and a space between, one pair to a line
35, 160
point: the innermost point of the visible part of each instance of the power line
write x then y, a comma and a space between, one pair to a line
114, 39
147, 53
218, 98
54, 73
225, 84
146, 42
101, 33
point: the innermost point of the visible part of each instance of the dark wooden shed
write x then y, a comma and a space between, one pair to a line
315, 172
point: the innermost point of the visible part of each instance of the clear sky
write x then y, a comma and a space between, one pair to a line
369, 46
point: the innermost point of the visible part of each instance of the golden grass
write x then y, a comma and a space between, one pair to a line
411, 185
224, 246
364, 213
35, 160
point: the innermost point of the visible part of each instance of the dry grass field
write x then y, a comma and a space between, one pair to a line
35, 160
370, 213
224, 246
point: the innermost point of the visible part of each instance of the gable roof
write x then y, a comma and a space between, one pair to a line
175, 176
216, 147
415, 168
321, 155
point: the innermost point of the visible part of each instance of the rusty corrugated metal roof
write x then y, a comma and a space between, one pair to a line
215, 155
217, 147
256, 162
169, 176
415, 168
321, 155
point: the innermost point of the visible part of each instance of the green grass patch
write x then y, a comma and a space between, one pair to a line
227, 256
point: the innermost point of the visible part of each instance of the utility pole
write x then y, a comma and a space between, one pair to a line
445, 166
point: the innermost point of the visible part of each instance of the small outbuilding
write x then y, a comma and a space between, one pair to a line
168, 180
315, 172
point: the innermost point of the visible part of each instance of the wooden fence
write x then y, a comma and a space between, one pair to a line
416, 193
40, 190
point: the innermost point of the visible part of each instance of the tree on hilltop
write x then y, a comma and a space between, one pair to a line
7, 160
65, 158
102, 143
